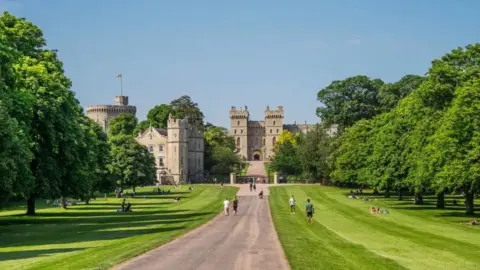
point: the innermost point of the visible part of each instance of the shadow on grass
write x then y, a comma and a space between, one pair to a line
67, 231
26, 254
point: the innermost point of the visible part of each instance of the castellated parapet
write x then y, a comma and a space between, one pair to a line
103, 114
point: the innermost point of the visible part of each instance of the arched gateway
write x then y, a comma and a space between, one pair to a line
257, 155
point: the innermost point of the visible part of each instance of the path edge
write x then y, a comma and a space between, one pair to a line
139, 256
277, 239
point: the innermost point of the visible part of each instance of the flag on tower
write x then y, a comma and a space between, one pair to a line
119, 75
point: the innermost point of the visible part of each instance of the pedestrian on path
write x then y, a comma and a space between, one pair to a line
292, 205
251, 186
235, 206
309, 210
226, 206
254, 187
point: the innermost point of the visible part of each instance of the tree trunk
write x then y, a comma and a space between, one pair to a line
469, 206
387, 193
441, 200
133, 188
31, 205
400, 194
418, 198
87, 201
63, 202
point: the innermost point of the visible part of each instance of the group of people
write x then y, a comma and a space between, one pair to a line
226, 206
125, 207
309, 210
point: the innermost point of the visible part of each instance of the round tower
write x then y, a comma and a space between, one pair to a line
103, 114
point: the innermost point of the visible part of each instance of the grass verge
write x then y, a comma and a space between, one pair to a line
95, 236
345, 235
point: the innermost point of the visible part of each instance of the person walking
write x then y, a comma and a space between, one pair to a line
251, 186
226, 206
235, 206
254, 187
291, 202
309, 210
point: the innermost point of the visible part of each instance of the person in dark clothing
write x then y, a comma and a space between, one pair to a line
235, 206
254, 187
251, 186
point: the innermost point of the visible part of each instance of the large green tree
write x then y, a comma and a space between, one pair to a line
36, 94
123, 124
348, 101
131, 164
220, 156
184, 107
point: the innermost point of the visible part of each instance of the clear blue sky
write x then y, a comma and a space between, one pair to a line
254, 53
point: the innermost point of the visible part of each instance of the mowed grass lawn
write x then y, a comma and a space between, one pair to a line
95, 236
345, 235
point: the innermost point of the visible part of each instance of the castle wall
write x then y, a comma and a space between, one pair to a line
239, 124
177, 149
103, 114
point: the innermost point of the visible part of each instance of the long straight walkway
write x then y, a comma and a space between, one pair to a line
246, 241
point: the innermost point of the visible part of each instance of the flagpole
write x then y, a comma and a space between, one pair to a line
121, 85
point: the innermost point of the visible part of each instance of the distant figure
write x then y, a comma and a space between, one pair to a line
123, 205
254, 187
251, 186
473, 222
292, 205
235, 206
309, 210
177, 199
454, 202
128, 208
221, 185
372, 210
260, 195
226, 206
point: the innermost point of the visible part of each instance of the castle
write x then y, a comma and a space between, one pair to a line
255, 140
178, 150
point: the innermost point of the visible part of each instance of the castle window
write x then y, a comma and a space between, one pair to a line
160, 162
238, 141
175, 149
241, 131
238, 123
263, 142
274, 123
160, 147
270, 131
274, 140
150, 148
234, 131
277, 130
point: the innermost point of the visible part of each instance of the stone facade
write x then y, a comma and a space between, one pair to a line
178, 150
103, 114
255, 140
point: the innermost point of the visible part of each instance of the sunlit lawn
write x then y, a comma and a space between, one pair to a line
95, 236
345, 235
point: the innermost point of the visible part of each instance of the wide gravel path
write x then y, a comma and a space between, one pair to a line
245, 241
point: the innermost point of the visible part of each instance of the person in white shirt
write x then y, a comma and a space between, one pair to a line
292, 205
226, 206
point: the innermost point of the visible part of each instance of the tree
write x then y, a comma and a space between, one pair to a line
123, 124
184, 107
391, 93
313, 150
286, 160
157, 117
220, 156
348, 101
286, 137
37, 96
131, 163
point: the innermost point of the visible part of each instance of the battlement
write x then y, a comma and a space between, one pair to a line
256, 124
177, 123
112, 108
277, 113
241, 113
121, 100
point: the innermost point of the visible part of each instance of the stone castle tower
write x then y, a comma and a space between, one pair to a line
177, 149
255, 140
103, 114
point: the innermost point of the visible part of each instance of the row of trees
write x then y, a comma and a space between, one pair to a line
418, 134
48, 148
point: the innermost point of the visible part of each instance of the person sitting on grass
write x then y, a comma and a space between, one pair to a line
177, 199
128, 208
473, 222
372, 210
